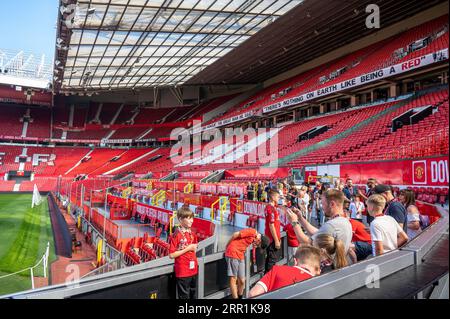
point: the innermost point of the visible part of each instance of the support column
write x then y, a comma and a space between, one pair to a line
353, 100
372, 96
275, 121
309, 112
322, 108
404, 87
444, 77
393, 90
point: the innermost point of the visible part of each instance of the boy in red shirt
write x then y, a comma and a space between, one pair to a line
292, 241
362, 242
307, 265
234, 255
183, 246
272, 230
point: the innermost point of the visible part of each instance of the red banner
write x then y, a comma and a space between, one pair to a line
119, 126
190, 199
427, 172
208, 188
162, 215
194, 174
254, 208
262, 172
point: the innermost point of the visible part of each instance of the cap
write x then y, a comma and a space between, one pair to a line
380, 189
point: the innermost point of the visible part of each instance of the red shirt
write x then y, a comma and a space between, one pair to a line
282, 276
272, 217
183, 266
359, 232
236, 249
291, 237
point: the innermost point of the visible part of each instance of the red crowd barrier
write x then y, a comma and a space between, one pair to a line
110, 228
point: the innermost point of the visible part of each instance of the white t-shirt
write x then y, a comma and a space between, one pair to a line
356, 210
411, 232
385, 229
339, 228
305, 200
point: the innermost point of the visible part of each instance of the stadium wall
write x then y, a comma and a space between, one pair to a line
429, 172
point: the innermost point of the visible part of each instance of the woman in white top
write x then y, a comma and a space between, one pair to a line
407, 198
357, 208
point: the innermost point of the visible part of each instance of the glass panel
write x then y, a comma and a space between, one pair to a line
180, 44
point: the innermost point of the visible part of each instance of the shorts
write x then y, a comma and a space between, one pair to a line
235, 267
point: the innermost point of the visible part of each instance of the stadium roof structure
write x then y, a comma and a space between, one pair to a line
22, 68
307, 32
127, 44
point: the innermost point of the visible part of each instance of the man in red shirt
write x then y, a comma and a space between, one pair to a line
272, 230
307, 265
234, 255
183, 246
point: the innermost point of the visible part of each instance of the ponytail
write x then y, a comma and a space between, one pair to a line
333, 247
340, 257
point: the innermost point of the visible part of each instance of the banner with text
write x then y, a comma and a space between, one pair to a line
162, 215
433, 171
361, 80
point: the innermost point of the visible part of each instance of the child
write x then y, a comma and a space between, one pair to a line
307, 265
362, 242
183, 246
333, 255
234, 255
292, 240
385, 231
357, 208
272, 230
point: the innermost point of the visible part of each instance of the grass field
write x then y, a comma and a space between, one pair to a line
24, 233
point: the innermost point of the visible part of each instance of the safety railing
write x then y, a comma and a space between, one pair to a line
155, 272
222, 206
212, 284
33, 270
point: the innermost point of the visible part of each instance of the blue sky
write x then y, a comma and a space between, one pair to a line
29, 25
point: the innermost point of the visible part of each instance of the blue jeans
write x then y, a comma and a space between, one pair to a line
362, 250
320, 218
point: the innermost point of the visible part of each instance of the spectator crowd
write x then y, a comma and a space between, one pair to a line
330, 226
340, 222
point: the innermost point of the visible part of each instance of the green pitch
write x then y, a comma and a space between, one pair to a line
24, 233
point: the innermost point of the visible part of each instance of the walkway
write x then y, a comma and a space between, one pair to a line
83, 260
